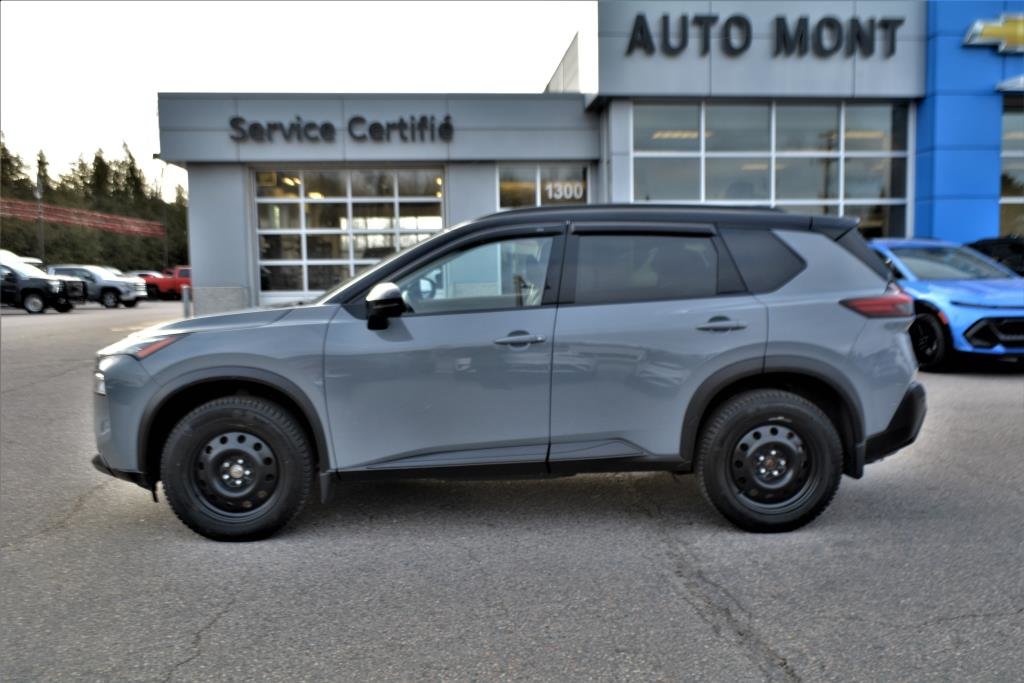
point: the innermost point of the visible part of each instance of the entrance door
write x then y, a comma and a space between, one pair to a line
461, 378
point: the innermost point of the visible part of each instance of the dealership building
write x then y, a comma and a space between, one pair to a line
906, 115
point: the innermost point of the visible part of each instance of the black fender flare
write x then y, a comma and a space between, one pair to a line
796, 365
271, 380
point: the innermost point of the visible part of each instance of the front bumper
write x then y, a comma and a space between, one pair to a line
903, 427
134, 477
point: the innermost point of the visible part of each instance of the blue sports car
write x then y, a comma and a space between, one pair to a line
965, 301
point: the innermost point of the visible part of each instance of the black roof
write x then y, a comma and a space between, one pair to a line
740, 216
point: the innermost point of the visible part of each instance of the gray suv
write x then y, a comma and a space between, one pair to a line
767, 353
104, 285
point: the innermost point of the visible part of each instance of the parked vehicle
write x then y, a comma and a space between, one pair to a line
167, 285
1008, 251
765, 352
25, 286
103, 286
964, 301
76, 290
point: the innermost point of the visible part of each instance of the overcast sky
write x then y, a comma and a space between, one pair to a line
79, 76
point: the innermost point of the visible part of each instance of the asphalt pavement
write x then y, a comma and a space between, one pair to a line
915, 572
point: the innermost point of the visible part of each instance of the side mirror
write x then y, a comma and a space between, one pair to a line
384, 301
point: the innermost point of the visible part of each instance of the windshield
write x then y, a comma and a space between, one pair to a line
115, 271
21, 268
948, 263
101, 272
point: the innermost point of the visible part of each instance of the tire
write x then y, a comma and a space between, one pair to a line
33, 303
200, 464
930, 339
769, 460
109, 298
64, 307
130, 304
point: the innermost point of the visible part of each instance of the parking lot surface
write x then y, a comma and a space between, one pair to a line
915, 572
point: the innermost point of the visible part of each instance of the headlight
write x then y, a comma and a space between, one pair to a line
140, 347
54, 287
99, 383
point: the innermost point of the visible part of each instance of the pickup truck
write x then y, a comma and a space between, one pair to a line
169, 284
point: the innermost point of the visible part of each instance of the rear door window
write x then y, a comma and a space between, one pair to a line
611, 268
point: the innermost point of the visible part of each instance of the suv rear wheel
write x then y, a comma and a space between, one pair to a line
237, 468
769, 460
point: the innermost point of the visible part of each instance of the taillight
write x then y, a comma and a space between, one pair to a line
893, 304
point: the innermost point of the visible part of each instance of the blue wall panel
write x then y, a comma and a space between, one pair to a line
959, 124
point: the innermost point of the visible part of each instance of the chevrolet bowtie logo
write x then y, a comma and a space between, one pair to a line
1007, 33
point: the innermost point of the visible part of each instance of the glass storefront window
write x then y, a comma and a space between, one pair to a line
330, 184
807, 127
420, 184
878, 220
830, 158
327, 216
875, 178
730, 178
373, 246
278, 217
661, 178
373, 183
281, 278
325, 277
280, 247
326, 247
541, 185
517, 186
419, 216
373, 215
666, 127
806, 178
876, 127
278, 184
738, 127
316, 227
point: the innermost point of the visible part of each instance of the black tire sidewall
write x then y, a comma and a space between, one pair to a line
746, 412
941, 356
272, 424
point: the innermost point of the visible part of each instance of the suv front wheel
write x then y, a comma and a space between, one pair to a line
237, 468
769, 460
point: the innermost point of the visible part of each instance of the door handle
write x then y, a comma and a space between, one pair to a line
720, 323
519, 339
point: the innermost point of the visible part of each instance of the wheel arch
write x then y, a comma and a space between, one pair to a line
175, 400
813, 380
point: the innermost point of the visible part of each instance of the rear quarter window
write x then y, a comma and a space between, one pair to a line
764, 261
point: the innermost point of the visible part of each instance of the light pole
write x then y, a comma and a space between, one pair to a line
37, 192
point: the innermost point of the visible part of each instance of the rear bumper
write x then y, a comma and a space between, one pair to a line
902, 429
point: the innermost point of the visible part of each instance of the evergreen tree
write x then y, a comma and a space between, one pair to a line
99, 183
14, 182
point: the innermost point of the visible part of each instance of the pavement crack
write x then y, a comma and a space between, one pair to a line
713, 602
196, 642
63, 522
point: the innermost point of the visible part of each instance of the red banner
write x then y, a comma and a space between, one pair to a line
29, 211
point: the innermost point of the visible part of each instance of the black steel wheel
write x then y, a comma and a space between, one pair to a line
237, 468
769, 460
930, 341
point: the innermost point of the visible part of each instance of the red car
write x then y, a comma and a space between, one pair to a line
168, 284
